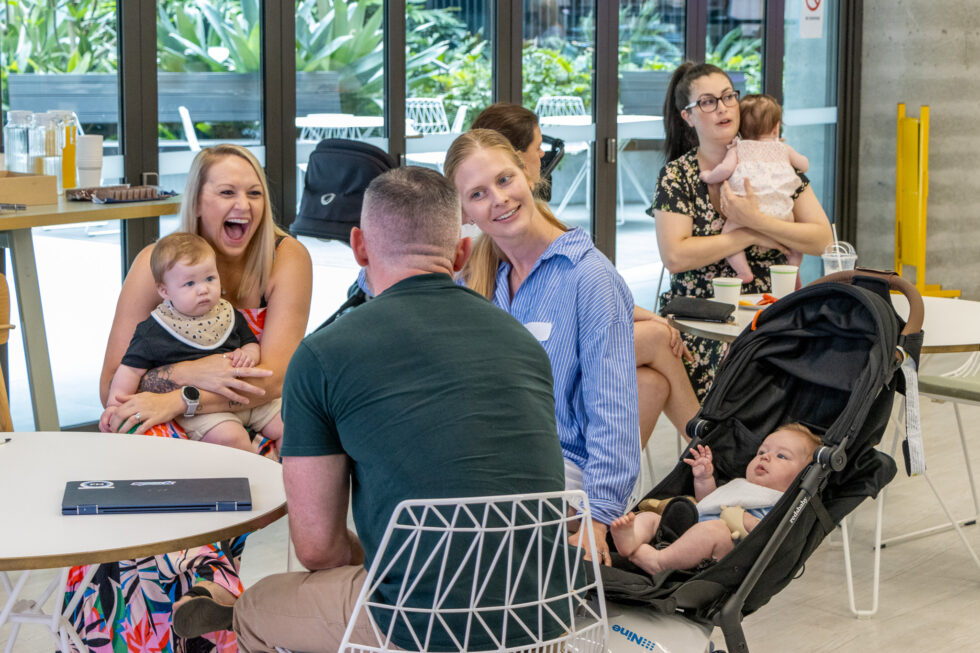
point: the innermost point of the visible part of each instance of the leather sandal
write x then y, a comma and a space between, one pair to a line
201, 614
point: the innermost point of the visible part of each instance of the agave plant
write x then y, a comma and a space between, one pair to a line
549, 72
209, 36
66, 36
734, 52
346, 36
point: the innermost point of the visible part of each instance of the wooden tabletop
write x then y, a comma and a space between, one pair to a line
34, 468
71, 212
950, 325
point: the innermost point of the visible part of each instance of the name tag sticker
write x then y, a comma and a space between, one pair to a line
540, 330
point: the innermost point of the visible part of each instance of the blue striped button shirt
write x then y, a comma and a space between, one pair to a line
580, 309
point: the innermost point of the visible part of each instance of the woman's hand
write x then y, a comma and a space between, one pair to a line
599, 529
743, 210
674, 340
677, 345
145, 409
218, 374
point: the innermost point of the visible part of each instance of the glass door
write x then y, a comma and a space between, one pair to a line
651, 46
558, 60
58, 55
209, 83
339, 94
447, 74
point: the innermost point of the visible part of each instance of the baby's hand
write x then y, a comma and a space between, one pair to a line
240, 358
700, 462
106, 418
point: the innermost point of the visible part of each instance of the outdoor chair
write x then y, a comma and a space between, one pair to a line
484, 548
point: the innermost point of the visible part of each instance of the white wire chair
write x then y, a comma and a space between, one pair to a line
428, 116
549, 106
469, 567
961, 385
188, 125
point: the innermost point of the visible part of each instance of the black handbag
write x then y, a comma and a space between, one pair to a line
696, 308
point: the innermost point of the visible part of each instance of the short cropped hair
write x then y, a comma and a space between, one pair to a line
813, 440
178, 247
759, 113
411, 211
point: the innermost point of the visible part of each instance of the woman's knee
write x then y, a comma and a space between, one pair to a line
648, 337
651, 383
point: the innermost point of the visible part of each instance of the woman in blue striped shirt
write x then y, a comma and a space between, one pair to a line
662, 382
556, 283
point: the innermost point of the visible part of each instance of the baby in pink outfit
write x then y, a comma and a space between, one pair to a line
769, 164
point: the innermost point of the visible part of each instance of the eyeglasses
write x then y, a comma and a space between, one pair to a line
709, 103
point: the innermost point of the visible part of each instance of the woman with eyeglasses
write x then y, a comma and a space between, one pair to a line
701, 117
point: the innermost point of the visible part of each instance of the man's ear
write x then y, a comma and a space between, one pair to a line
463, 250
358, 246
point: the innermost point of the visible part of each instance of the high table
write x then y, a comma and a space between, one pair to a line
15, 234
317, 126
34, 468
950, 325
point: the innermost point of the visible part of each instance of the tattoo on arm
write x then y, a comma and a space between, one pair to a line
158, 380
234, 405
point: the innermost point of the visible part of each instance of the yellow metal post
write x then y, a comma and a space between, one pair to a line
911, 198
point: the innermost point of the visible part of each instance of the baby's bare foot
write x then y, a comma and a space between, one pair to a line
624, 535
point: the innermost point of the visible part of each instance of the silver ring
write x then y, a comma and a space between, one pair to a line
137, 416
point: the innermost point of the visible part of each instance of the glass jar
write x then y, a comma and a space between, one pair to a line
16, 140
68, 131
45, 146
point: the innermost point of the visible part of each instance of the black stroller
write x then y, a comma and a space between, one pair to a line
827, 356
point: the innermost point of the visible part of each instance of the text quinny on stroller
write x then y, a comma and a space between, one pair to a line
827, 356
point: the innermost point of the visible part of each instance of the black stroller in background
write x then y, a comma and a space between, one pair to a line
827, 356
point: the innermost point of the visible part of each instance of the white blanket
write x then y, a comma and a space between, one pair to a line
738, 492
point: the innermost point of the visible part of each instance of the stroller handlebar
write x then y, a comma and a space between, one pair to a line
916, 309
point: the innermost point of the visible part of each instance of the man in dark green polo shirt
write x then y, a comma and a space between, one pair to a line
426, 391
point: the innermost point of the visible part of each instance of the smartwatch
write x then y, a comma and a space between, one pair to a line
192, 397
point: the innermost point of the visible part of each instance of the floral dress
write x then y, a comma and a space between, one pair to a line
128, 605
680, 190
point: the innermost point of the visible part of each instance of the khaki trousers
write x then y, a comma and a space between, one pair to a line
301, 611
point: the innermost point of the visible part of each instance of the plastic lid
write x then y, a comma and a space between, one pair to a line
840, 248
19, 116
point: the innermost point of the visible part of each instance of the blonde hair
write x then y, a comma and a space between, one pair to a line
812, 439
178, 247
480, 271
261, 248
759, 114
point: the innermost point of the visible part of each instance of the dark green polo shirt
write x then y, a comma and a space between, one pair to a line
432, 392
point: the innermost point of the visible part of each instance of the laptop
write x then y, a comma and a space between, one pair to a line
156, 495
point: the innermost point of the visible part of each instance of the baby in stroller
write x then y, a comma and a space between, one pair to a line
726, 513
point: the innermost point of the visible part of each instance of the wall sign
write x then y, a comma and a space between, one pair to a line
811, 19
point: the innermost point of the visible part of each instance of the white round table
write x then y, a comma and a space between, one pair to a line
34, 468
949, 325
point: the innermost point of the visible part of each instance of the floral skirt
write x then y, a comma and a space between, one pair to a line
707, 356
128, 605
